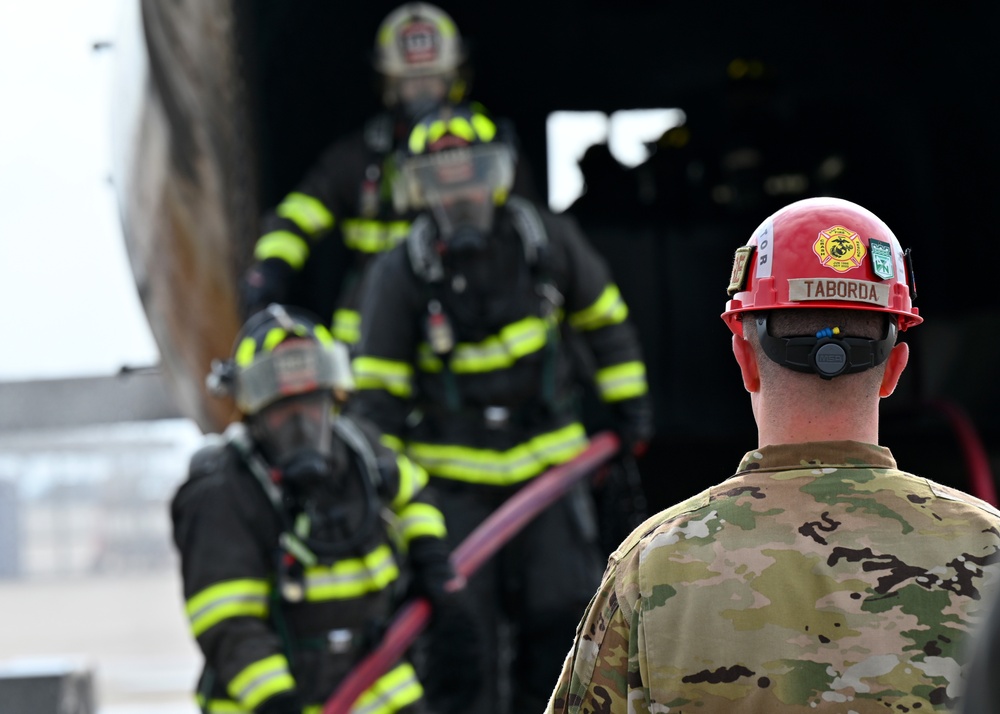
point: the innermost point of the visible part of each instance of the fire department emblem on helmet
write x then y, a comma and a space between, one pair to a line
419, 42
840, 248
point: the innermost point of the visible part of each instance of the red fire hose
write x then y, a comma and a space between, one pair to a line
977, 462
491, 535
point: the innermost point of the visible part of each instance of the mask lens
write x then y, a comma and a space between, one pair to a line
419, 95
470, 210
295, 424
459, 184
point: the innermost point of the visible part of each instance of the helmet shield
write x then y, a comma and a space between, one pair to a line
293, 367
295, 434
459, 173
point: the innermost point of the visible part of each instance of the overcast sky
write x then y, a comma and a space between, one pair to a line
69, 306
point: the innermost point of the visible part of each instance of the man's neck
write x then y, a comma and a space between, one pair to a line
803, 423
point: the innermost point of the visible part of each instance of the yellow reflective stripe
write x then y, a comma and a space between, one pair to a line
352, 577
307, 212
247, 348
501, 468
460, 127
289, 247
622, 381
421, 519
390, 375
608, 309
245, 352
436, 130
347, 326
485, 128
262, 679
274, 337
371, 236
412, 478
391, 692
427, 361
232, 598
219, 706
323, 335
392, 442
418, 139
499, 351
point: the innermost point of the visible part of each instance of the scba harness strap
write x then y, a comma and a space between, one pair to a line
298, 545
428, 266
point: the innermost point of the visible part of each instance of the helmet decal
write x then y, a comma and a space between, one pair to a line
840, 248
881, 253
802, 289
738, 279
296, 367
765, 249
419, 42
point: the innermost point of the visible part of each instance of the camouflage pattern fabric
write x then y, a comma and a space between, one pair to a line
819, 578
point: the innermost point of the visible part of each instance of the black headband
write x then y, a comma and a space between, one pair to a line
826, 353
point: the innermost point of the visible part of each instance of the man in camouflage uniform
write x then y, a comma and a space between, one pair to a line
819, 577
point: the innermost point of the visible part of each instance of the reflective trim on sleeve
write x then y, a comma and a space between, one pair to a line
499, 351
347, 326
261, 680
219, 706
352, 577
412, 478
289, 247
232, 598
420, 519
390, 375
393, 442
367, 235
501, 468
622, 381
393, 691
307, 212
608, 309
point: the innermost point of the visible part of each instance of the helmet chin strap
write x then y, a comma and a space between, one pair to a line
827, 353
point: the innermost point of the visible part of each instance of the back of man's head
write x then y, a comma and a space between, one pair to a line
817, 297
783, 382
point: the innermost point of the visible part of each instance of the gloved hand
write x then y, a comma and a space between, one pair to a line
634, 423
431, 570
284, 703
453, 646
265, 282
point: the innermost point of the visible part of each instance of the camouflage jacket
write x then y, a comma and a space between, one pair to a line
818, 578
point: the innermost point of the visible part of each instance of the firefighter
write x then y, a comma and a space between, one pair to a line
298, 532
345, 202
819, 577
475, 334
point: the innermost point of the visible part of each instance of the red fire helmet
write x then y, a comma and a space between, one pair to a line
822, 253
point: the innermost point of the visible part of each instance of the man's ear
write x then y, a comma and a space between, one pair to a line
894, 367
747, 361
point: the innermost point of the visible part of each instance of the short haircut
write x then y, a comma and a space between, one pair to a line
869, 324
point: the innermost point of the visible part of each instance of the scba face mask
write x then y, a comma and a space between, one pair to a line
295, 436
462, 186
